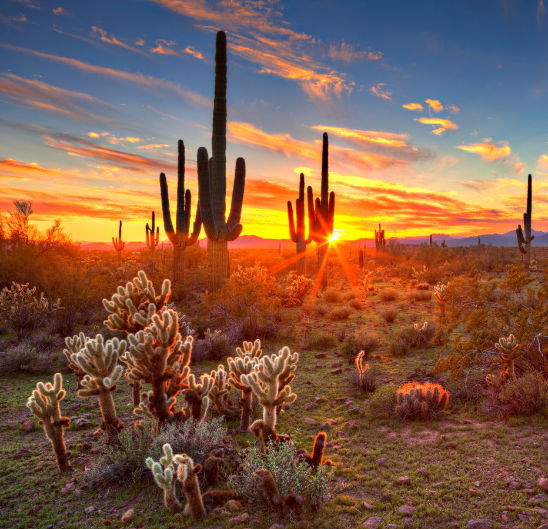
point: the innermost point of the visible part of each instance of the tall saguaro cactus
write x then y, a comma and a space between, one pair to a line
380, 241
179, 236
212, 182
118, 244
298, 235
324, 213
524, 240
152, 240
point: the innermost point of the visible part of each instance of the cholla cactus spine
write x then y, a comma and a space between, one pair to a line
509, 349
44, 404
99, 360
187, 475
164, 475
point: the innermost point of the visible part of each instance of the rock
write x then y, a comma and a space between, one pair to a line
542, 512
529, 484
366, 401
475, 492
89, 510
239, 519
423, 471
232, 505
81, 422
78, 492
337, 371
407, 509
69, 486
367, 506
477, 484
386, 496
64, 491
543, 526
514, 485
320, 355
309, 419
543, 484
382, 461
350, 424
373, 522
309, 406
529, 492
479, 524
450, 444
277, 526
319, 400
323, 425
331, 422
355, 408
539, 498
336, 364
392, 526
28, 426
404, 480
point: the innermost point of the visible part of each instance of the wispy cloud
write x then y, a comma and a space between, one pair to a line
191, 51
444, 124
139, 42
61, 12
129, 139
153, 146
348, 53
147, 81
434, 104
11, 166
414, 106
10, 20
495, 152
380, 92
163, 47
113, 40
542, 163
452, 109
541, 12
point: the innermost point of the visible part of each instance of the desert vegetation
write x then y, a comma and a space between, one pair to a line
196, 387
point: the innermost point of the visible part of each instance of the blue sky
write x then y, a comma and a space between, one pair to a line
436, 111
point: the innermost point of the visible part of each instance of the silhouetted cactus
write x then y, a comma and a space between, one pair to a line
152, 240
179, 236
118, 244
360, 259
212, 182
380, 241
44, 404
298, 235
524, 240
424, 401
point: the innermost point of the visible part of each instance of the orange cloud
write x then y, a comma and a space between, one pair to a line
413, 106
143, 80
10, 20
191, 51
165, 48
155, 146
488, 151
542, 163
60, 11
387, 139
113, 40
445, 124
140, 42
17, 168
93, 135
434, 104
379, 92
541, 11
347, 53
115, 140
452, 109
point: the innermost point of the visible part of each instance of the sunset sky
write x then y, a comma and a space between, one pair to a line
436, 110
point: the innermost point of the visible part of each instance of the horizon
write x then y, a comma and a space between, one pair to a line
434, 116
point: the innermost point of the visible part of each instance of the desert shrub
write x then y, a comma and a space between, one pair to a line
340, 313
320, 309
365, 376
520, 396
398, 347
291, 476
332, 296
248, 305
433, 275
415, 335
214, 346
360, 340
383, 402
350, 295
422, 286
321, 340
355, 304
421, 295
389, 315
126, 462
23, 359
298, 288
420, 401
389, 294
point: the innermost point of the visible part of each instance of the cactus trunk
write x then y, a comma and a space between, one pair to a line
247, 396
301, 261
178, 273
111, 423
217, 264
136, 392
524, 240
54, 432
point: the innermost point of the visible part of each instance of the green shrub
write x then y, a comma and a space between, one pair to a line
389, 294
321, 340
416, 335
360, 340
350, 295
332, 296
23, 359
214, 346
389, 315
521, 396
340, 313
383, 402
355, 304
320, 309
398, 347
291, 476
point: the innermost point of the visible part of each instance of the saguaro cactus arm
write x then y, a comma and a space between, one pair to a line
118, 244
152, 240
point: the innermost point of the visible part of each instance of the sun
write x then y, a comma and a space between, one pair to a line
337, 234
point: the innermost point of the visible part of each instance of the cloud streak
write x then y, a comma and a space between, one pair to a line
380, 92
444, 124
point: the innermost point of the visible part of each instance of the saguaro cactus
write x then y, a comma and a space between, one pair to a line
44, 404
99, 360
118, 244
380, 241
524, 240
298, 235
212, 182
179, 236
324, 214
360, 259
152, 240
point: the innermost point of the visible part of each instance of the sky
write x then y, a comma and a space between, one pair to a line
436, 111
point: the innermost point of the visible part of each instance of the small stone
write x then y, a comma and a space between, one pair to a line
355, 408
404, 480
69, 486
423, 471
543, 526
529, 492
309, 419
81, 422
78, 492
450, 444
217, 510
28, 426
64, 491
475, 492
526, 460
373, 522
479, 524
337, 371
513, 508
543, 484
386, 496
350, 424
514, 485
319, 400
392, 526
22, 452
90, 509
367, 506
336, 364
277, 526
239, 519
440, 484
542, 512
477, 484
232, 505
367, 401
309, 406
320, 355
539, 498
382, 461
331, 422
323, 425
407, 509
127, 516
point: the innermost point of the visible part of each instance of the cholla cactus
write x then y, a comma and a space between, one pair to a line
157, 355
44, 404
220, 393
418, 274
99, 360
22, 310
362, 367
74, 345
440, 293
131, 310
265, 383
421, 329
509, 351
424, 401
187, 474
164, 475
244, 364
196, 398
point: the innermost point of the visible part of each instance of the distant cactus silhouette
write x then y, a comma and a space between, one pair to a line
118, 244
212, 182
179, 236
380, 241
152, 240
360, 259
524, 240
298, 234
424, 401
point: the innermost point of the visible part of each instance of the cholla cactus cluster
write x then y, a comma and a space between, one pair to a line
424, 401
509, 352
440, 294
